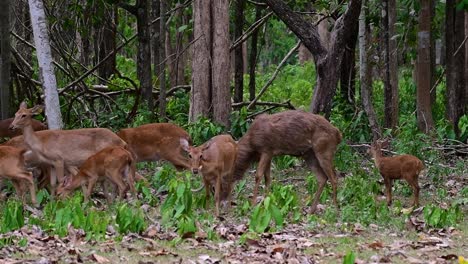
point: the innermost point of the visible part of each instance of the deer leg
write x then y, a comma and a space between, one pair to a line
26, 177
18, 188
264, 162
314, 166
207, 191
413, 182
92, 181
388, 190
327, 167
218, 193
60, 169
267, 175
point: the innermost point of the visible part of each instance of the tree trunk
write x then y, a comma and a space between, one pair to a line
365, 74
221, 89
5, 59
144, 52
423, 92
46, 67
155, 13
464, 97
391, 89
460, 66
451, 74
108, 42
348, 70
238, 56
162, 54
327, 62
253, 56
201, 85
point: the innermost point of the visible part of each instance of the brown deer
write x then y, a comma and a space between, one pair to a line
112, 163
405, 167
60, 149
12, 168
152, 142
215, 161
294, 133
5, 131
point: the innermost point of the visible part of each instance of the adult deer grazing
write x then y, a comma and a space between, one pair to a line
12, 168
5, 131
215, 161
152, 142
112, 163
294, 133
405, 167
61, 149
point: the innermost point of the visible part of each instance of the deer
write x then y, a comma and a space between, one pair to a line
293, 132
12, 168
152, 142
406, 167
215, 161
6, 132
60, 149
112, 163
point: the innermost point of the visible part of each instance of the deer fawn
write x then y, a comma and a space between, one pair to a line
6, 132
152, 142
112, 163
12, 168
60, 149
215, 161
405, 167
295, 133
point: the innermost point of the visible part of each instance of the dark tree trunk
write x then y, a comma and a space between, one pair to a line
460, 67
108, 42
253, 56
348, 67
201, 68
238, 56
162, 58
327, 61
391, 88
155, 12
423, 93
144, 52
5, 60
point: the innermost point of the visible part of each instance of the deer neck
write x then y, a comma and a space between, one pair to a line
377, 157
31, 140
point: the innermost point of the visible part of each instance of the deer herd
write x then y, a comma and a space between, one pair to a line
64, 160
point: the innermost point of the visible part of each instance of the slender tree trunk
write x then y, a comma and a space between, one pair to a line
155, 12
253, 56
238, 56
423, 93
464, 100
162, 53
459, 66
5, 59
391, 89
348, 71
144, 52
201, 62
451, 96
221, 89
46, 67
365, 74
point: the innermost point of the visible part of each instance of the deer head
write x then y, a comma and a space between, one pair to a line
195, 154
24, 115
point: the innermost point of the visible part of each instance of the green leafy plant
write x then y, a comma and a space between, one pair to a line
12, 217
262, 215
349, 258
202, 130
129, 219
438, 217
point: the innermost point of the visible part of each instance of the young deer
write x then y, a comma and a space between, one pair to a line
295, 133
61, 149
6, 132
215, 161
12, 168
152, 142
112, 163
405, 167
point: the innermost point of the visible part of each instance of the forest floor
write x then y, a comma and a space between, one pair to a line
405, 238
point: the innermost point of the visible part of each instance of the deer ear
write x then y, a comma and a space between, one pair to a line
385, 144
23, 105
37, 109
185, 145
206, 145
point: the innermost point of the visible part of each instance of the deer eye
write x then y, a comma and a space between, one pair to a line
23, 116
189, 155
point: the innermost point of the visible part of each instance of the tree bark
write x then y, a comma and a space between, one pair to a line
46, 67
108, 42
155, 13
201, 66
221, 43
459, 67
348, 70
5, 59
238, 54
390, 85
162, 58
365, 74
423, 92
144, 52
253, 56
327, 62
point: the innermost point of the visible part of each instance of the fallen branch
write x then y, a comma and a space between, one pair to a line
267, 109
286, 104
270, 81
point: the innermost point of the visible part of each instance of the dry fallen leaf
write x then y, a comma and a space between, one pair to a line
375, 245
99, 259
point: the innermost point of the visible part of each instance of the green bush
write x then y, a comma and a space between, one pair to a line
129, 219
